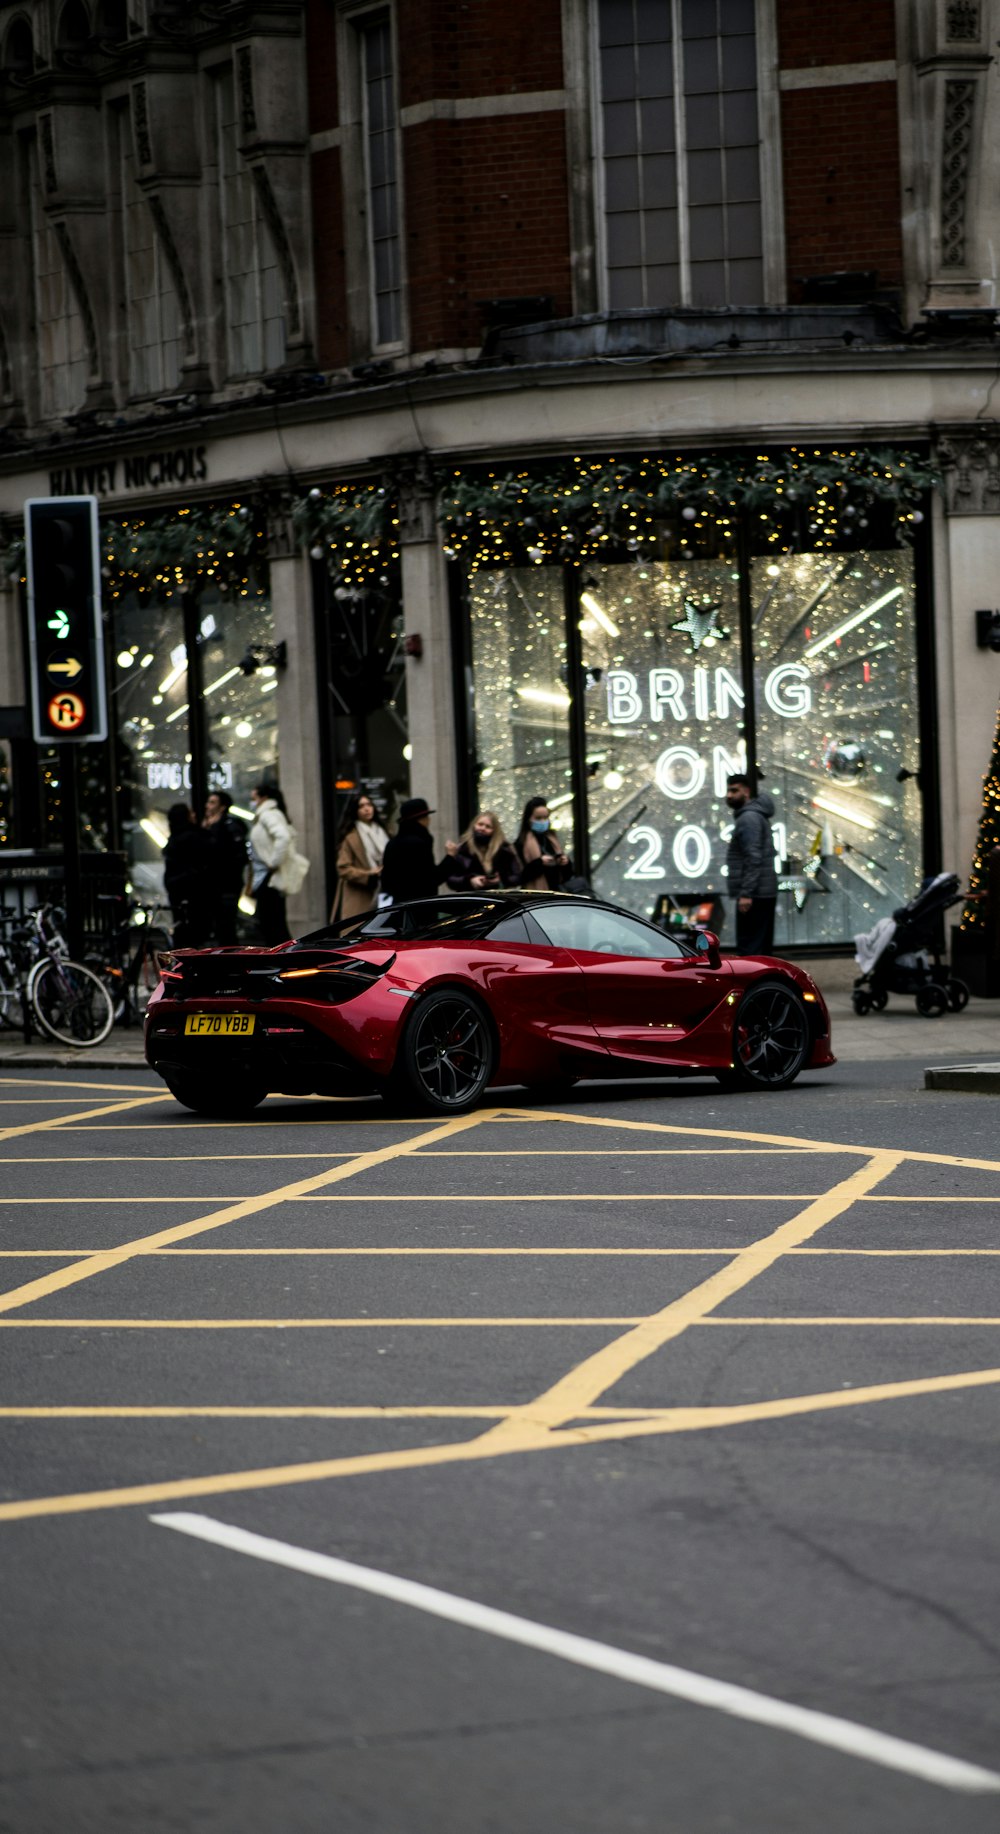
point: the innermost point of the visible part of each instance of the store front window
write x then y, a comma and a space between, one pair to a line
664, 678
521, 684
153, 715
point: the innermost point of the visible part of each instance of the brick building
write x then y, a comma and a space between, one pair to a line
563, 384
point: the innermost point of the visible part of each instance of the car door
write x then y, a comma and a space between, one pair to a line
645, 994
537, 993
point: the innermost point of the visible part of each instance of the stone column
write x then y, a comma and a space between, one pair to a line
430, 690
298, 716
968, 678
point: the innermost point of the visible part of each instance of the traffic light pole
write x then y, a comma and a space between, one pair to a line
72, 872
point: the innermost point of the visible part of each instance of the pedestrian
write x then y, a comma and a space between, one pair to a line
485, 860
185, 877
750, 867
227, 863
545, 865
362, 843
272, 841
409, 869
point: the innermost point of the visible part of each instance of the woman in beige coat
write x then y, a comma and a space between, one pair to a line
359, 859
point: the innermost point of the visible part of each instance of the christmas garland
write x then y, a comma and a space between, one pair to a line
571, 511
974, 913
582, 509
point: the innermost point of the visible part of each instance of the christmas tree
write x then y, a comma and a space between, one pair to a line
974, 916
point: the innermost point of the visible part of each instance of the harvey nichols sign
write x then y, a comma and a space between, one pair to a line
143, 471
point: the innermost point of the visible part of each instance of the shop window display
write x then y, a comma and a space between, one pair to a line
520, 676
153, 713
665, 723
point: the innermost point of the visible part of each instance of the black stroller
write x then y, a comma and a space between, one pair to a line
902, 954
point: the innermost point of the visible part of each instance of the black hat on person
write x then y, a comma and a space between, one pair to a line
413, 808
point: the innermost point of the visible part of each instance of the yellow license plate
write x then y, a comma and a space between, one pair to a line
219, 1025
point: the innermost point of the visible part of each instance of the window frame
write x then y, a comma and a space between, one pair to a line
353, 18
774, 278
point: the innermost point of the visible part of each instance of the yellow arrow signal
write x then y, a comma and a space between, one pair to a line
70, 667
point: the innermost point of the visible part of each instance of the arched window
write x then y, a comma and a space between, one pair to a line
112, 22
19, 50
154, 317
255, 304
60, 335
73, 29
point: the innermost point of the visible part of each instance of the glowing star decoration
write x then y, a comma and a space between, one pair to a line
699, 622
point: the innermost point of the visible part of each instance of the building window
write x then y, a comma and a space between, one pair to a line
680, 153
255, 307
381, 179
662, 721
153, 311
60, 334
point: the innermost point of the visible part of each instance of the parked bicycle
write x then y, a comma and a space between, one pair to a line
39, 982
128, 963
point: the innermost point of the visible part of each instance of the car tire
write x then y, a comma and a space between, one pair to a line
203, 1097
446, 1056
771, 1038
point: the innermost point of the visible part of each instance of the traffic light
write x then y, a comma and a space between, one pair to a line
68, 699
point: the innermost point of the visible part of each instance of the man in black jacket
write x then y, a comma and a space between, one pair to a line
227, 863
409, 869
753, 881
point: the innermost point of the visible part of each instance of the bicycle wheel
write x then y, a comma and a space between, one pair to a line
70, 1003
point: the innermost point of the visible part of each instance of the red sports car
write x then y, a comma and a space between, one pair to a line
431, 1002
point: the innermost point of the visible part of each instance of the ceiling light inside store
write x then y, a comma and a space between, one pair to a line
408, 755
168, 680
544, 697
176, 713
852, 623
244, 730
157, 700
268, 687
156, 827
559, 802
228, 676
833, 808
144, 661
613, 780
244, 815
589, 603
124, 659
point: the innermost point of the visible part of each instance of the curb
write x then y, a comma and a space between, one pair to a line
967, 1078
29, 1059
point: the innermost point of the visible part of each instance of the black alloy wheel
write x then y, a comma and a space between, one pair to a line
447, 1055
226, 1098
771, 1036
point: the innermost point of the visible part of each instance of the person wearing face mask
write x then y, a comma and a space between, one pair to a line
544, 864
359, 859
485, 860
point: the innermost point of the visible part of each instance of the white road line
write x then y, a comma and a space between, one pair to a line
741, 1703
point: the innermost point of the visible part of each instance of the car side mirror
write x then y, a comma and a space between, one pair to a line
707, 945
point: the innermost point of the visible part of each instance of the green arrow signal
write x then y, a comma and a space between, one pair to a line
60, 624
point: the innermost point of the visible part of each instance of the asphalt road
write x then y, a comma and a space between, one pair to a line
711, 1382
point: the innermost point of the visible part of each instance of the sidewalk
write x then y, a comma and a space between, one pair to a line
899, 1032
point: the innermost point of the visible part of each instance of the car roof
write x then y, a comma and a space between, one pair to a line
481, 911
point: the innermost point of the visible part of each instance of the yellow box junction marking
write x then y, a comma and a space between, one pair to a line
566, 1413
